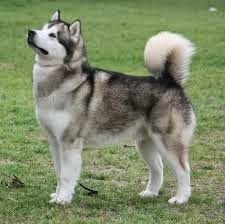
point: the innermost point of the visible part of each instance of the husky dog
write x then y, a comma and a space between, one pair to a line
77, 105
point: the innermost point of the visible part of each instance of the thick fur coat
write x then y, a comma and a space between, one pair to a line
77, 104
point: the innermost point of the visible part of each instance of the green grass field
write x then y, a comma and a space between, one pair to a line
115, 33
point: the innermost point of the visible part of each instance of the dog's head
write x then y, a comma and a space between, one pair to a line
57, 41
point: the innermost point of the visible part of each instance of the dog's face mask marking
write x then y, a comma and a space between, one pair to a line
57, 40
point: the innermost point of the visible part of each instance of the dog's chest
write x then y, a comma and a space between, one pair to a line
52, 111
53, 120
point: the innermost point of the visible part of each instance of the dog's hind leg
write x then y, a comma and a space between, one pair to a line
151, 156
175, 152
70, 170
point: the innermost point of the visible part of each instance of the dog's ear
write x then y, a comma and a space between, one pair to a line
56, 16
75, 29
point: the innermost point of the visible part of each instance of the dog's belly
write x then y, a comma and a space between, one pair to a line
114, 134
54, 121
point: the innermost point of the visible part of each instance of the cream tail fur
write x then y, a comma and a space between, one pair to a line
170, 53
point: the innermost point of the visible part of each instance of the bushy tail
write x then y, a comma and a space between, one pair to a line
169, 54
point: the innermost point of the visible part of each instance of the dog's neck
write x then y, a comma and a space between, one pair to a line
74, 64
61, 77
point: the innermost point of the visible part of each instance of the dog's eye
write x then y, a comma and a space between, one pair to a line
52, 35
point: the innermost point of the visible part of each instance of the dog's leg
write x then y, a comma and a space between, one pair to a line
54, 148
176, 154
151, 156
70, 170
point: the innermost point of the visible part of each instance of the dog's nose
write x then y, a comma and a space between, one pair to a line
31, 32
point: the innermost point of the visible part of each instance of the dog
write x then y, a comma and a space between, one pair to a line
77, 104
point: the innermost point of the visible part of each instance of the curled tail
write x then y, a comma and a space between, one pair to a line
169, 54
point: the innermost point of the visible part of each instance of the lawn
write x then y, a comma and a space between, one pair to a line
115, 33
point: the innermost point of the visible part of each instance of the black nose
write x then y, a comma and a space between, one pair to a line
31, 33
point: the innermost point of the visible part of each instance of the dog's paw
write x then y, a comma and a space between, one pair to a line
53, 195
148, 194
62, 199
178, 200
53, 200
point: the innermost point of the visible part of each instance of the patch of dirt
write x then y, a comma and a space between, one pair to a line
36, 136
7, 162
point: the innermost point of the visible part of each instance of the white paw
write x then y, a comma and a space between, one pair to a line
53, 195
178, 200
62, 199
53, 200
148, 194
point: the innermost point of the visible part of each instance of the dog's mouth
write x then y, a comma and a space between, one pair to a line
30, 41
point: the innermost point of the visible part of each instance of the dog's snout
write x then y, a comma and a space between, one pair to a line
30, 36
31, 32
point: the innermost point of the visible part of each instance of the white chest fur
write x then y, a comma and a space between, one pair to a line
51, 111
55, 121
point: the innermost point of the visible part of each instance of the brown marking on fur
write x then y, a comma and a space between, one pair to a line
68, 136
180, 152
170, 126
171, 131
71, 133
174, 145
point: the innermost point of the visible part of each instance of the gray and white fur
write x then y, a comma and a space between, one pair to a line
77, 105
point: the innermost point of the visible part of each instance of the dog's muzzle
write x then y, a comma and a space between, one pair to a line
30, 39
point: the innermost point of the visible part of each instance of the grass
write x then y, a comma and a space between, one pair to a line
115, 32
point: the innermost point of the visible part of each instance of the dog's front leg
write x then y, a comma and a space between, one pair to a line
70, 169
55, 151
